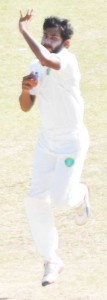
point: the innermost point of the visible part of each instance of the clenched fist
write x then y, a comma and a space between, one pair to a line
29, 82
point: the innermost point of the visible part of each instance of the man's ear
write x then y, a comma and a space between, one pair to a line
66, 43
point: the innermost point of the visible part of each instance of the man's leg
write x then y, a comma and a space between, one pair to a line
42, 226
67, 190
38, 206
40, 216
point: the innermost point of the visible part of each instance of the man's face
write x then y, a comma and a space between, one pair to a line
52, 39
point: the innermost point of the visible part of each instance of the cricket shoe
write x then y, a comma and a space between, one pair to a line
52, 269
83, 210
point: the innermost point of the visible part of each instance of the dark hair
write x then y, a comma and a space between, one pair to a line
64, 26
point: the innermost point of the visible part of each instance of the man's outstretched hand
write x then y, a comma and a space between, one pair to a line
23, 21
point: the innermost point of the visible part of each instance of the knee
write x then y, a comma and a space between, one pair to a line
64, 198
60, 200
37, 202
37, 209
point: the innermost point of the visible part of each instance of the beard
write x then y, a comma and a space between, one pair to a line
57, 48
54, 50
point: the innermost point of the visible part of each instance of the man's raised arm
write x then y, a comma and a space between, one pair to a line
44, 56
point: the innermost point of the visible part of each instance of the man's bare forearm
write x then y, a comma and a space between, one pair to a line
26, 101
41, 53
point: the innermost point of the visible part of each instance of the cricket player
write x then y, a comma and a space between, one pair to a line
53, 81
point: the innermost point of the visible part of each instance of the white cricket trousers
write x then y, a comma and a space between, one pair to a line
54, 183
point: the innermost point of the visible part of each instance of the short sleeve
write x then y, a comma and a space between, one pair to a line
63, 58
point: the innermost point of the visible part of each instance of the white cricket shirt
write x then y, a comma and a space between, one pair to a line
59, 98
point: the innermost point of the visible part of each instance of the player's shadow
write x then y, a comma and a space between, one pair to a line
4, 298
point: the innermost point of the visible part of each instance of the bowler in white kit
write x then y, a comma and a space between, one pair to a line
54, 82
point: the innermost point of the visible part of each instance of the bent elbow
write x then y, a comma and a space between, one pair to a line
51, 64
24, 109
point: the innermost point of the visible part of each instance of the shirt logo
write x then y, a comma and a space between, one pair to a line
69, 161
48, 71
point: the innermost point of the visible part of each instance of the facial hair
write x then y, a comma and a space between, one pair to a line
56, 49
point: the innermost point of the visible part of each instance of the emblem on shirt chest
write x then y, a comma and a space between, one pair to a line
48, 71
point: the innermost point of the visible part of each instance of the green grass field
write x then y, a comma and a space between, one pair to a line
84, 250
